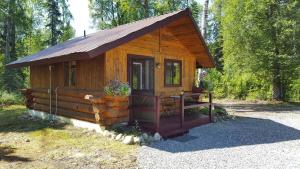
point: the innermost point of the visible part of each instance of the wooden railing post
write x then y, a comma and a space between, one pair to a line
157, 102
182, 109
210, 107
130, 120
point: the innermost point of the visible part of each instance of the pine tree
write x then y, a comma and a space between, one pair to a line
54, 21
14, 22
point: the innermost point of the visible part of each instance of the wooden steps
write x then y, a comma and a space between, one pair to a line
173, 133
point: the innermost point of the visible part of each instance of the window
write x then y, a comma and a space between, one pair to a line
70, 73
172, 72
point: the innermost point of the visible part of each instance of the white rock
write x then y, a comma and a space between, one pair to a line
142, 140
145, 136
137, 140
150, 139
128, 140
119, 137
113, 135
106, 133
157, 137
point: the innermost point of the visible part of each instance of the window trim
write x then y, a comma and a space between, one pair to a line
165, 73
69, 67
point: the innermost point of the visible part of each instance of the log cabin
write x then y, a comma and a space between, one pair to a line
157, 56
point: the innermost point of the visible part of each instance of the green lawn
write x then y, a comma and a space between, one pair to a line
25, 143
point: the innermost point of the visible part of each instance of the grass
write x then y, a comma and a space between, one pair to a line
36, 139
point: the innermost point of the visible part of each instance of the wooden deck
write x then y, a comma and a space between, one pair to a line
173, 125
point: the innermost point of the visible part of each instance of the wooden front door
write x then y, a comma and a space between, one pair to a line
141, 74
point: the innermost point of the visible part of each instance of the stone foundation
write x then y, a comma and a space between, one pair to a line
74, 122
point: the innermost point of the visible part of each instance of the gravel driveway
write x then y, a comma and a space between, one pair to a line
262, 136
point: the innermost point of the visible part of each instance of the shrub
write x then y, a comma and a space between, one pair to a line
117, 88
7, 98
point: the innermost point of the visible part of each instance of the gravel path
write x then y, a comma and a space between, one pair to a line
258, 138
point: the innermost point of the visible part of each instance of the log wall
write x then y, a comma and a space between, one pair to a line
90, 75
69, 103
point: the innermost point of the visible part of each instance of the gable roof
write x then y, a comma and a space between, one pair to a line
97, 43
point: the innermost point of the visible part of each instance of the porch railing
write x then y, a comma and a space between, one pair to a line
195, 104
146, 110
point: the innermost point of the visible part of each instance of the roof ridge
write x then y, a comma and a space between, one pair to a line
129, 23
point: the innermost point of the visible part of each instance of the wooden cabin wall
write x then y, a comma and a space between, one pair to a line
160, 45
70, 100
90, 75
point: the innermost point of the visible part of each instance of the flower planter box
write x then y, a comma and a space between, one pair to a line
110, 110
116, 107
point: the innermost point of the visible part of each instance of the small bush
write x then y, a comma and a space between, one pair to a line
7, 98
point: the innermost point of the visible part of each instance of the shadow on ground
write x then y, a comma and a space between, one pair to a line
6, 154
15, 120
243, 131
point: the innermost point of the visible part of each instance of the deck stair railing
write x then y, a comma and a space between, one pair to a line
195, 104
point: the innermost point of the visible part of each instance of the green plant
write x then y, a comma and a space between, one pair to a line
7, 98
117, 88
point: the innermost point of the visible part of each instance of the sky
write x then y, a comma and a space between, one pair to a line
81, 19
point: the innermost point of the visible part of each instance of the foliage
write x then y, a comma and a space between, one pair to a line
111, 13
258, 43
24, 31
58, 21
198, 112
117, 88
10, 98
127, 130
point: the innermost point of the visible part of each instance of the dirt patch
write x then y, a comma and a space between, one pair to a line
39, 144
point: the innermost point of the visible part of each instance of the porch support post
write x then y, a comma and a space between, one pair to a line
182, 109
157, 102
210, 106
130, 120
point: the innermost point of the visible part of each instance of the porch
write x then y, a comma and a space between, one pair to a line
170, 115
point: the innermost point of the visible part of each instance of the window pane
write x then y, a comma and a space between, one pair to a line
169, 73
149, 73
137, 76
73, 73
176, 74
70, 73
172, 72
66, 73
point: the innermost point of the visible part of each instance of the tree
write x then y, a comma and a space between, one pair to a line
59, 18
22, 32
214, 34
260, 46
205, 17
111, 13
55, 22
14, 23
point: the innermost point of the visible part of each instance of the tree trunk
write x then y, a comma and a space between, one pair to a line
205, 16
7, 35
276, 90
276, 82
